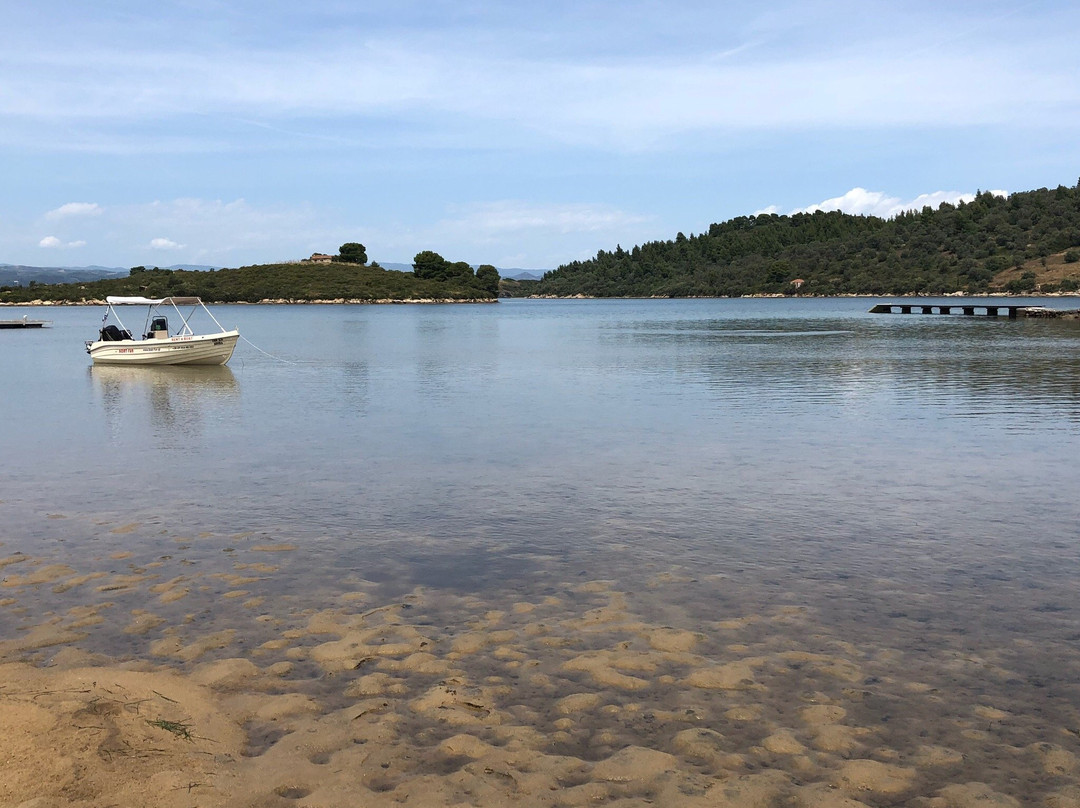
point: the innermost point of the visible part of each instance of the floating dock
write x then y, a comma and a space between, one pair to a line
24, 323
974, 309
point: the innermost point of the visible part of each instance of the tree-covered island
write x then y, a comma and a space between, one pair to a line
1027, 242
344, 277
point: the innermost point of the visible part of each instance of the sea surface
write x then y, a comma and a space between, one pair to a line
777, 477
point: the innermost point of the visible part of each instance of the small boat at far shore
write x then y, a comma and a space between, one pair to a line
160, 345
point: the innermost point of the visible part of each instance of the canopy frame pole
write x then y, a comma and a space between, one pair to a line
211, 316
185, 330
111, 310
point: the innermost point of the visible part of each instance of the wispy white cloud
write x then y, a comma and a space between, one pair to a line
206, 231
629, 99
515, 233
403, 120
519, 233
209, 231
219, 232
861, 202
53, 243
74, 209
508, 218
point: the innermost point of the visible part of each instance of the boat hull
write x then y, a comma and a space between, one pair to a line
198, 349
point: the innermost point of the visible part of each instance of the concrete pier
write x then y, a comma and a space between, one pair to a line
970, 309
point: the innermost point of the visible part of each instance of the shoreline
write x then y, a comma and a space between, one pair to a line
443, 301
851, 295
277, 302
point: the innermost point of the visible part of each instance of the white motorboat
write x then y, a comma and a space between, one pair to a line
160, 344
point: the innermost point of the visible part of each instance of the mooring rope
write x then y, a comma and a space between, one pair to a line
267, 353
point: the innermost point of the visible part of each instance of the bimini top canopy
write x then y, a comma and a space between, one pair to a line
146, 301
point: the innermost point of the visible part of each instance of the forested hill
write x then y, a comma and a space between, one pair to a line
1026, 242
280, 282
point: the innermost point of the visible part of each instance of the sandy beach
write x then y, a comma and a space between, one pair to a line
169, 682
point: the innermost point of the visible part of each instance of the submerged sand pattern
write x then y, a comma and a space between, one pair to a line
575, 695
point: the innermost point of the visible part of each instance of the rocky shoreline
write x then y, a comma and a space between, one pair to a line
430, 301
272, 302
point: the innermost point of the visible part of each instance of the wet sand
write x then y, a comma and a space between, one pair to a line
239, 670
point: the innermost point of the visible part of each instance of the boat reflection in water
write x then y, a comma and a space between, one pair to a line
181, 398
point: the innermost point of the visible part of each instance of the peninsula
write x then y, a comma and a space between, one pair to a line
346, 277
1024, 243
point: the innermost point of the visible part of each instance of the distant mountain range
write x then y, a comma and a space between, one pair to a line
19, 275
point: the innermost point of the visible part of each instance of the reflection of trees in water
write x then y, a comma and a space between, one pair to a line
178, 397
356, 385
448, 346
976, 367
1023, 368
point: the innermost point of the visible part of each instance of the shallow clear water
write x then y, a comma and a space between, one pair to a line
756, 427
910, 480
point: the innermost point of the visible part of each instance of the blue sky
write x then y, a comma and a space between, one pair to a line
524, 135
